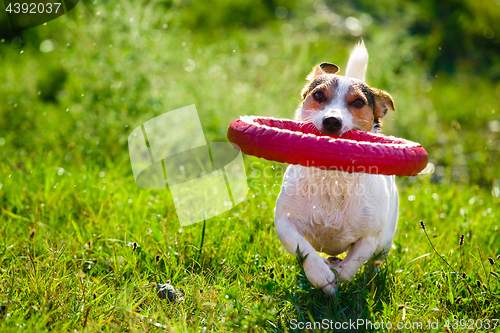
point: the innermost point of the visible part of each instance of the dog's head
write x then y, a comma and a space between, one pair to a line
335, 104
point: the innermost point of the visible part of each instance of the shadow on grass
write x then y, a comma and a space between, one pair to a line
307, 308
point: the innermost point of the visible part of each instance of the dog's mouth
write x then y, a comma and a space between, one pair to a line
337, 132
311, 127
324, 131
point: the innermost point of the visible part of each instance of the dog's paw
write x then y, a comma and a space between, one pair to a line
331, 288
320, 275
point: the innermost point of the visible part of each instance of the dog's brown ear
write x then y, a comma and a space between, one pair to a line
382, 102
329, 68
323, 68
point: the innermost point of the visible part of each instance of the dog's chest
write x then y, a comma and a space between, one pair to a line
330, 208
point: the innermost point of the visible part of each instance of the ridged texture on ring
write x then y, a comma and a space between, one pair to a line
294, 142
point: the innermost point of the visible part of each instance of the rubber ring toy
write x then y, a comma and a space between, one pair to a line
294, 142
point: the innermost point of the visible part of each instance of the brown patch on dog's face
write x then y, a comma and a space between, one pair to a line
359, 101
368, 116
317, 77
319, 92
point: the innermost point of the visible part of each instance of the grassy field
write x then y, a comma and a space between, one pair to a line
81, 246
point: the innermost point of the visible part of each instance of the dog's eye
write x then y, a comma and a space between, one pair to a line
318, 96
358, 103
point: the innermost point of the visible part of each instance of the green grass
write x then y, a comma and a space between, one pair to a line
71, 212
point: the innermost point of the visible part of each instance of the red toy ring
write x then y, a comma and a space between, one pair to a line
294, 142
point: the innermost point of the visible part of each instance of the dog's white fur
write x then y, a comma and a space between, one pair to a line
332, 211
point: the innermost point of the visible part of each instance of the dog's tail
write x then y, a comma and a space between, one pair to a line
358, 60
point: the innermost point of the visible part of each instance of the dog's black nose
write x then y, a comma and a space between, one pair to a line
332, 124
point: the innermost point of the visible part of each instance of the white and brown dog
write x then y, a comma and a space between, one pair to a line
333, 211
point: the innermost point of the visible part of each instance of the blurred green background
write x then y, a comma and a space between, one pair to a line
72, 90
78, 85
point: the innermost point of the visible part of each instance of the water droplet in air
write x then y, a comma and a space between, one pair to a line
47, 46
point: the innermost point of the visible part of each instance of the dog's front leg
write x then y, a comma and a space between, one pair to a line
315, 266
358, 254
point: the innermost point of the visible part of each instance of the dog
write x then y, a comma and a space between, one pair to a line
333, 211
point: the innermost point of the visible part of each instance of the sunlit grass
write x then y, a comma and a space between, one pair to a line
71, 211
70, 263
